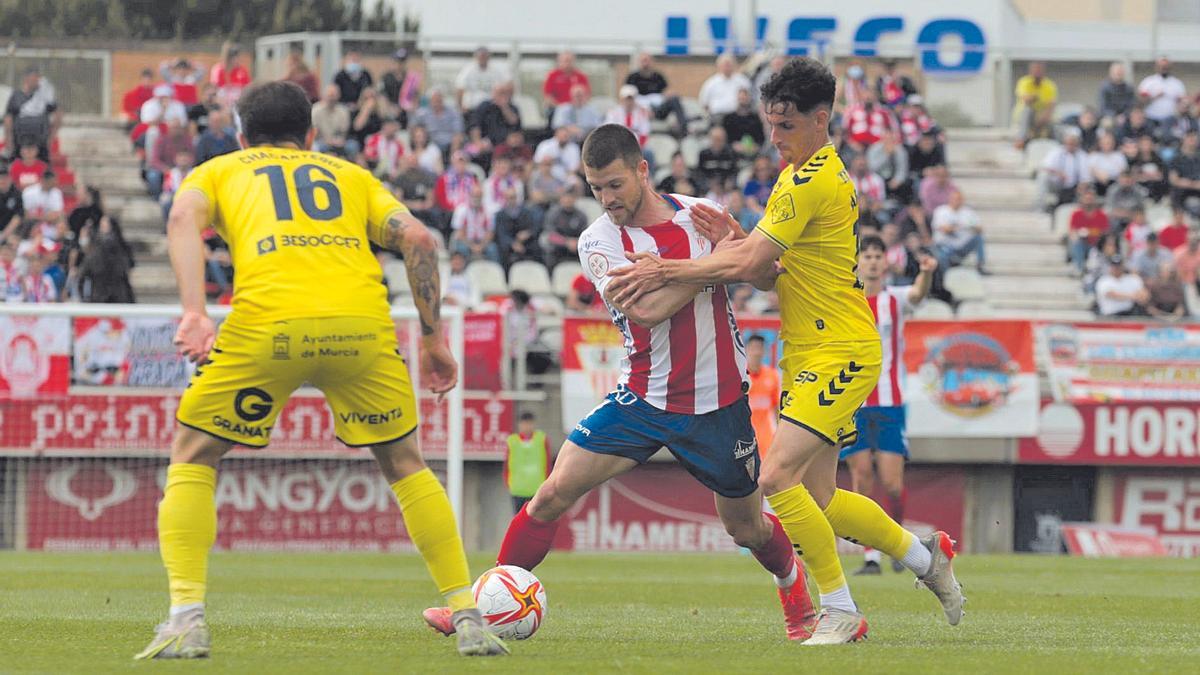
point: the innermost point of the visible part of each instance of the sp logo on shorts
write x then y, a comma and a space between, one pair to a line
266, 245
252, 404
805, 377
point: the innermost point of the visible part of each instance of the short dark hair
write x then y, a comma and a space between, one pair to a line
803, 82
274, 112
609, 142
527, 417
756, 338
870, 242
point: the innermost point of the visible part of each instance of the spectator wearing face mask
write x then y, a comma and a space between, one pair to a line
352, 80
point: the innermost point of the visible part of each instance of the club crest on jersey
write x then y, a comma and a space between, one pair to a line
783, 209
266, 245
744, 448
598, 264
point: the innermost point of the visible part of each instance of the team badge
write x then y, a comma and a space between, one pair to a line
266, 245
598, 264
783, 209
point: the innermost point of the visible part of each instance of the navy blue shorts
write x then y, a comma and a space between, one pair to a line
717, 448
880, 428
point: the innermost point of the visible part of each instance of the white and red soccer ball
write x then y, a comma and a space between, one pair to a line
512, 601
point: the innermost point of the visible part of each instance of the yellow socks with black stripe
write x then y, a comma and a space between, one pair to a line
861, 520
813, 537
187, 528
430, 523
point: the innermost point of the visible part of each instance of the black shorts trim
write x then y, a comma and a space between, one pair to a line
220, 437
804, 426
374, 443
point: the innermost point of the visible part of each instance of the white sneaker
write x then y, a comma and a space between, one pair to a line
183, 637
837, 626
940, 577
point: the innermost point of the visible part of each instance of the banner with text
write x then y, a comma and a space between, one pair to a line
970, 379
35, 355
1167, 503
110, 504
129, 352
1122, 362
1134, 434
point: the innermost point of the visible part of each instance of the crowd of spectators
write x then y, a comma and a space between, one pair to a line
1125, 178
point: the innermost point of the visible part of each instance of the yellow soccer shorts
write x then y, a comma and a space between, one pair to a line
824, 385
253, 369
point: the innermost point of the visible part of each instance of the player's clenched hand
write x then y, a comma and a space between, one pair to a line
647, 274
439, 370
927, 263
195, 336
715, 224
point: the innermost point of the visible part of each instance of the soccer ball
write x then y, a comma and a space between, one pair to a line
512, 601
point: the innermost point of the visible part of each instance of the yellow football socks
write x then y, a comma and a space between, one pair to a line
430, 523
812, 535
187, 528
861, 520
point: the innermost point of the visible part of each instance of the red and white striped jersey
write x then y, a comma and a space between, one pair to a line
692, 363
888, 308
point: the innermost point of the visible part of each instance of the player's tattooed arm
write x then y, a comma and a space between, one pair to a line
409, 237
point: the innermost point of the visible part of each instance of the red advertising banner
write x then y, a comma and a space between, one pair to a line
1135, 434
660, 507
483, 351
92, 504
1093, 540
970, 379
1098, 362
35, 355
592, 351
1166, 504
143, 424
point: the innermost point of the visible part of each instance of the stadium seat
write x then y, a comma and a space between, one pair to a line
602, 104
934, 309
661, 172
549, 304
974, 309
663, 147
1064, 110
1036, 150
396, 275
488, 277
531, 277
564, 274
1158, 215
590, 207
691, 147
964, 284
693, 110
552, 338
1062, 219
532, 115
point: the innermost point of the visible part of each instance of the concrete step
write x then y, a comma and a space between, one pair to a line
1017, 289
1000, 235
983, 154
1024, 255
91, 122
153, 275
983, 134
1043, 314
1048, 305
121, 182
1007, 192
107, 163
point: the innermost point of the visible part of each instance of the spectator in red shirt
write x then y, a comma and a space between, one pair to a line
583, 296
867, 122
1088, 224
556, 90
27, 170
131, 102
229, 76
1175, 234
454, 187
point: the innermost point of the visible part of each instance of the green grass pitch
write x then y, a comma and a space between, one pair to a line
352, 613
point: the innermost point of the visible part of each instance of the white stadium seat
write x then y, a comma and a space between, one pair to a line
397, 277
590, 207
532, 115
975, 309
488, 277
1036, 150
964, 283
563, 276
933, 309
529, 276
1062, 218
663, 147
690, 147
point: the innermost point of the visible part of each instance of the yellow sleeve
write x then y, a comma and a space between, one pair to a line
1024, 87
1051, 93
790, 209
381, 204
202, 179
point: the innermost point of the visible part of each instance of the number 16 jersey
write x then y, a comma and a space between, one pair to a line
298, 225
813, 215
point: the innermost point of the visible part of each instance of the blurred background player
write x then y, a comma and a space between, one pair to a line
527, 462
831, 357
880, 421
764, 393
289, 326
682, 384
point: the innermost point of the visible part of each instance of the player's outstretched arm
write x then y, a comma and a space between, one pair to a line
653, 308
924, 280
188, 218
409, 237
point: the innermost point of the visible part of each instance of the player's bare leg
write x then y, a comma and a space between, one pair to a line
890, 469
531, 533
862, 481
430, 522
763, 534
792, 452
859, 519
187, 529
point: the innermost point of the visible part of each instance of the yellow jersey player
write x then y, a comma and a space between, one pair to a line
807, 238
308, 306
